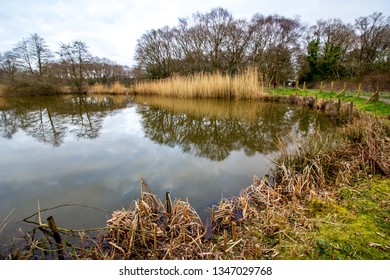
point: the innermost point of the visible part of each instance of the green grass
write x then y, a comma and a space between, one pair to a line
379, 108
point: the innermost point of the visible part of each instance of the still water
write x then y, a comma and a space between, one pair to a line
93, 150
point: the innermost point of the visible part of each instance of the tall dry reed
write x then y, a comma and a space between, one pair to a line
2, 90
245, 85
116, 88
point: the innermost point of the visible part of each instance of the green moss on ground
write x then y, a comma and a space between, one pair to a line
356, 225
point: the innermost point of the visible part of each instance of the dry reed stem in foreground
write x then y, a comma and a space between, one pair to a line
148, 229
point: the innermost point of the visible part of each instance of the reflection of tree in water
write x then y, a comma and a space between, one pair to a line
87, 122
49, 119
44, 126
8, 124
215, 136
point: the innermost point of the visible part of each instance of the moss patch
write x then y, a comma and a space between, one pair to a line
362, 228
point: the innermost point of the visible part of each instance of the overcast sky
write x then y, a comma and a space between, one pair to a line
111, 27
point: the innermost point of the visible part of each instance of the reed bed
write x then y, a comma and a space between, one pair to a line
244, 85
116, 88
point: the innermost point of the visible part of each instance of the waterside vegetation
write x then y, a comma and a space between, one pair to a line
205, 85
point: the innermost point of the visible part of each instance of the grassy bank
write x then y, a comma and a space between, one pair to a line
379, 108
205, 85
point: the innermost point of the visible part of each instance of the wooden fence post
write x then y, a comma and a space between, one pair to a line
359, 89
342, 92
375, 96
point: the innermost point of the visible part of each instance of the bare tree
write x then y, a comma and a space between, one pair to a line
105, 71
216, 25
238, 40
191, 39
152, 53
373, 33
75, 57
275, 46
7, 65
32, 54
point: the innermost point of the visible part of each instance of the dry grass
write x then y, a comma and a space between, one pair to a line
2, 90
204, 85
116, 88
151, 230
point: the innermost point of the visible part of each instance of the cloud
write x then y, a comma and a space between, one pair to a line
111, 28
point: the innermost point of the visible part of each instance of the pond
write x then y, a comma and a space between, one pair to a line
81, 151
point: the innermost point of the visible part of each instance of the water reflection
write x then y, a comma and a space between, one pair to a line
93, 149
214, 128
50, 119
205, 128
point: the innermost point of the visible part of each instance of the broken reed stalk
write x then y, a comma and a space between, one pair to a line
224, 241
257, 251
169, 203
350, 109
56, 236
234, 231
338, 106
155, 238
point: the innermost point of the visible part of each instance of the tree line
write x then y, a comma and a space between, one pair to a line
281, 48
32, 67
